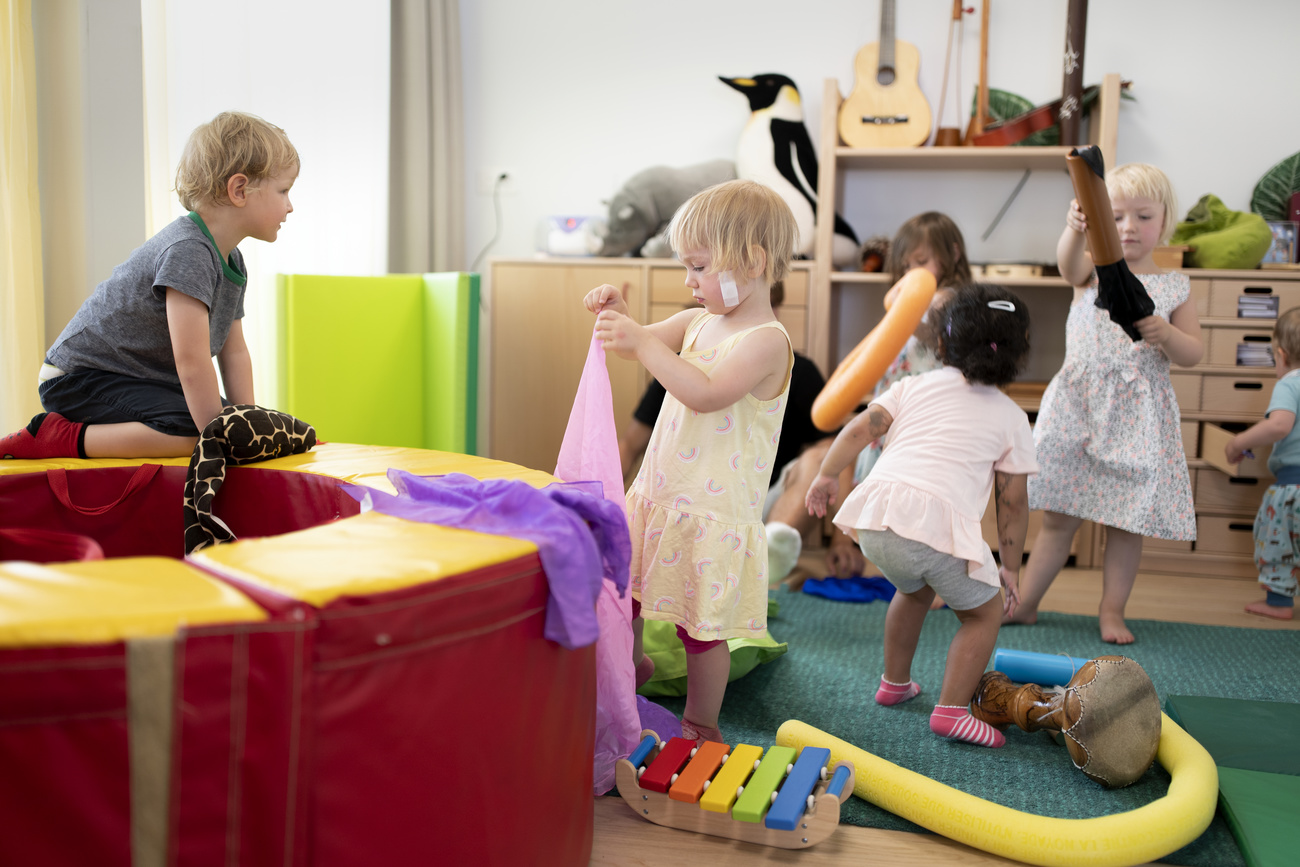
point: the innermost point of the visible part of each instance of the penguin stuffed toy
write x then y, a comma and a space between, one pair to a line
776, 151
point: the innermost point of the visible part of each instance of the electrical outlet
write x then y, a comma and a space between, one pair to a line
489, 178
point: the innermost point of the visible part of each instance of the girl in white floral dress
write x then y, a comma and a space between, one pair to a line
1107, 437
699, 552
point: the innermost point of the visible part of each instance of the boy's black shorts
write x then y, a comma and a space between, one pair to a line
101, 397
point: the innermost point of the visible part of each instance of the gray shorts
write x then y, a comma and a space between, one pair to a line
911, 565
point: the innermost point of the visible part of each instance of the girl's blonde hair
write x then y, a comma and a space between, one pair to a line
733, 221
1286, 334
231, 143
947, 246
1139, 180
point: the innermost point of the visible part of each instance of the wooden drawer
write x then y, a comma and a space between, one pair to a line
668, 285
1216, 435
1201, 295
796, 287
1191, 431
1217, 492
1228, 296
1165, 545
1235, 394
1187, 390
1225, 535
660, 312
1227, 344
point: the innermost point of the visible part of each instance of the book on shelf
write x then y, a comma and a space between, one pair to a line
1257, 307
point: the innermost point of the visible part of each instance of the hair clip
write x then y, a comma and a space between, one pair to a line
1003, 305
994, 346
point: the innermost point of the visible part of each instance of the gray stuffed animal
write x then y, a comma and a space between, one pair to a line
640, 211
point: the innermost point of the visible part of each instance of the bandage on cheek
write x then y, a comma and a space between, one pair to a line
730, 294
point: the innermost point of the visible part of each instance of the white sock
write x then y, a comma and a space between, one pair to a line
784, 544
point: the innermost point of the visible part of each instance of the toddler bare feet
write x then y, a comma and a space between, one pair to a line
1114, 630
1024, 615
1277, 612
698, 733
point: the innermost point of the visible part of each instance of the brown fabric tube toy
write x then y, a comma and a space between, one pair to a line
1119, 293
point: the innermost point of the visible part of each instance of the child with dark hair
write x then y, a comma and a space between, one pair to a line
952, 436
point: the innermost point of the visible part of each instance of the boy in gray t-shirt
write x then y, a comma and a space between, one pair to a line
131, 375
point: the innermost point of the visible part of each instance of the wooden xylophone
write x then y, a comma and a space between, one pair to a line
781, 798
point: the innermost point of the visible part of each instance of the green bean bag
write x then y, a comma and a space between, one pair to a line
1221, 237
660, 641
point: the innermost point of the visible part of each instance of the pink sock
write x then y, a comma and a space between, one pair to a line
956, 722
48, 435
896, 693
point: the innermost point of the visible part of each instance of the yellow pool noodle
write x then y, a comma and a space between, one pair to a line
1135, 837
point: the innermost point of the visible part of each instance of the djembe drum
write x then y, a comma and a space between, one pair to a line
1109, 714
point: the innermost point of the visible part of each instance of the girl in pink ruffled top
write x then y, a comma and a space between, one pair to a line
952, 435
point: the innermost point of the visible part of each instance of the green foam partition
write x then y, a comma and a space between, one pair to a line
389, 360
1256, 747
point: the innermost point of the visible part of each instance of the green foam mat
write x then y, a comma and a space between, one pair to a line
1260, 808
1250, 735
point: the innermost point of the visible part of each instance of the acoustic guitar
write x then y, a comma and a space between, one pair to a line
886, 108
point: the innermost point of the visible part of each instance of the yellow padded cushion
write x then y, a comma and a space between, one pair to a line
105, 601
358, 464
366, 554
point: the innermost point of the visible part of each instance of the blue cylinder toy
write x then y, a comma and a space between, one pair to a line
1046, 669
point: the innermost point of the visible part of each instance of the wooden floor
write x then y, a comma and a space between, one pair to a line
621, 838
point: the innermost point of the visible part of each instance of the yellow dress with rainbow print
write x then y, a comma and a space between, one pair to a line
699, 554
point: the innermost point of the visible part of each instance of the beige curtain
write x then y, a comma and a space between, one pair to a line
426, 210
22, 295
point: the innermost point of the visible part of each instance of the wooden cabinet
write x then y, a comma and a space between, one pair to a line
1229, 389
538, 334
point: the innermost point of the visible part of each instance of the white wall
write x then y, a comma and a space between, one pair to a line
574, 96
317, 68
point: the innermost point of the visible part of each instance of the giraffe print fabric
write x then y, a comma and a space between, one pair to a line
241, 434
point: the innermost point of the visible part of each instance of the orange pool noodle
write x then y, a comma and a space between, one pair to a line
859, 372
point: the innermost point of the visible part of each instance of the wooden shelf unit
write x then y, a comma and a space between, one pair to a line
835, 159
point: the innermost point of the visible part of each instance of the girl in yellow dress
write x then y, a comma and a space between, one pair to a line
699, 553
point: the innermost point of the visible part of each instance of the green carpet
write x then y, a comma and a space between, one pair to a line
828, 679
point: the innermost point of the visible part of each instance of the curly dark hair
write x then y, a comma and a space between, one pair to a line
979, 336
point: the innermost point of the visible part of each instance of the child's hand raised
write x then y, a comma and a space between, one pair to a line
618, 332
822, 491
605, 297
1155, 330
1075, 218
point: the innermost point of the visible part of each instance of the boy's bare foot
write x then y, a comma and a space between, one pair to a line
1114, 630
936, 603
1277, 612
